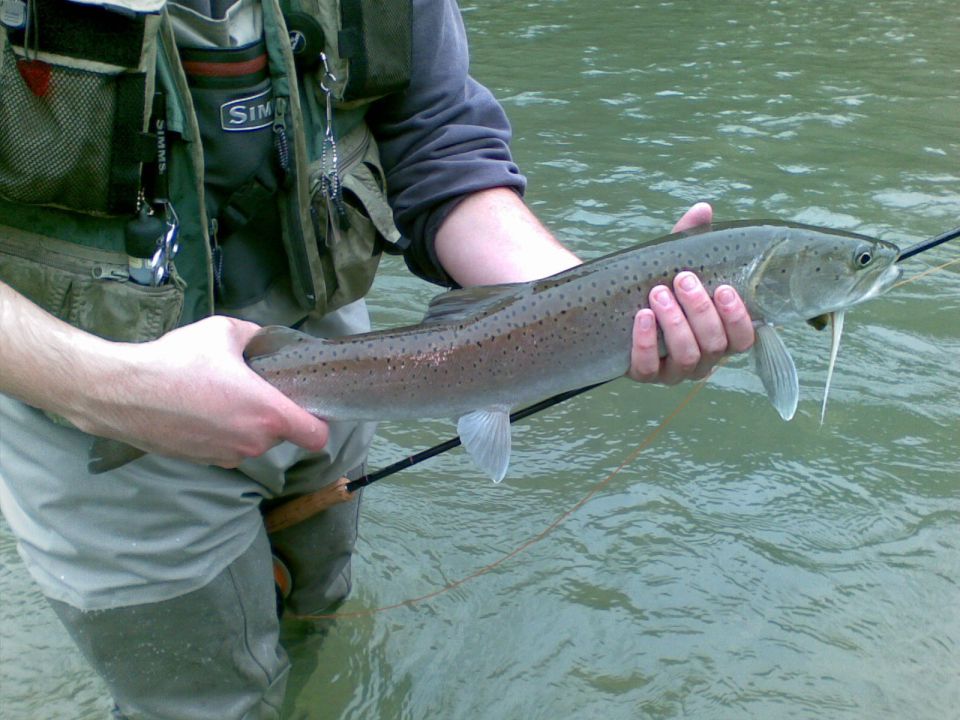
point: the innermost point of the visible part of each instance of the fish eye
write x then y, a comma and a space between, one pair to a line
864, 258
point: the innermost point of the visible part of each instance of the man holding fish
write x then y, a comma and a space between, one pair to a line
161, 569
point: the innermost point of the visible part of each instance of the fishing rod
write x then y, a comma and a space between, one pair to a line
927, 244
455, 441
343, 489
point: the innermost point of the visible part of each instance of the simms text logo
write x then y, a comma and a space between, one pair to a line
249, 113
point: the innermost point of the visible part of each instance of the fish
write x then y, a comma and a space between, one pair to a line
481, 351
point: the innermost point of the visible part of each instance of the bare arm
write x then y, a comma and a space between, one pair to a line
188, 394
492, 237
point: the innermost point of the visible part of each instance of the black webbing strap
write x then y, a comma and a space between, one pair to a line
243, 205
131, 146
83, 30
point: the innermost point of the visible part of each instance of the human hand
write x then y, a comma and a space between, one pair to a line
190, 395
697, 330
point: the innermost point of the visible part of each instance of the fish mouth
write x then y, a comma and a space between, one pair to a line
883, 282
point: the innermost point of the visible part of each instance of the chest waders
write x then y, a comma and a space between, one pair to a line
100, 144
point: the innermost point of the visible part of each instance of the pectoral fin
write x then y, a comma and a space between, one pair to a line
106, 455
486, 436
776, 370
272, 339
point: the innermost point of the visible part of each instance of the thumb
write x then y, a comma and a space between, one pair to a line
301, 428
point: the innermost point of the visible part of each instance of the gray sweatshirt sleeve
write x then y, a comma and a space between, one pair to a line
441, 139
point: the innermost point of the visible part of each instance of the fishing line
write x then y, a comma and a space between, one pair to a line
595, 489
928, 271
530, 542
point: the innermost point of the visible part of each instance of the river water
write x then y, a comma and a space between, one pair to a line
739, 567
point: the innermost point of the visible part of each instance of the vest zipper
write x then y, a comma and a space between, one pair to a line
95, 263
304, 288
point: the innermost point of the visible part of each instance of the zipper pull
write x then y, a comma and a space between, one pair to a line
280, 142
216, 256
329, 159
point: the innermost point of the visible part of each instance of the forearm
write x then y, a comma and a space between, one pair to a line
492, 237
51, 365
188, 394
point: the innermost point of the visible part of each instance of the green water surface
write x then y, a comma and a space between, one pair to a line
740, 567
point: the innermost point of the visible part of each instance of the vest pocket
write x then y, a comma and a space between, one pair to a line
350, 251
87, 287
72, 128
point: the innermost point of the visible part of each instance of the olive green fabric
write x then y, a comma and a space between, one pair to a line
328, 268
74, 139
88, 287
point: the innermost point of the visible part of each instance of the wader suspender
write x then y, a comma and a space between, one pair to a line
378, 46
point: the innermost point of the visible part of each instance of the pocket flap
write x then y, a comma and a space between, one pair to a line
363, 183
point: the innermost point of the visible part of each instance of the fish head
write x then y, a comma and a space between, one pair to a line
806, 272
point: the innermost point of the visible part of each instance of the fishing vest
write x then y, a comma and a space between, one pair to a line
99, 143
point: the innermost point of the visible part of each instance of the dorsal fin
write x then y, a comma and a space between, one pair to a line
467, 303
272, 339
697, 230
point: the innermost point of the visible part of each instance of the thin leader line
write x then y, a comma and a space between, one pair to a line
530, 542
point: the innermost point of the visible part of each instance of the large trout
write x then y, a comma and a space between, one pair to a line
479, 352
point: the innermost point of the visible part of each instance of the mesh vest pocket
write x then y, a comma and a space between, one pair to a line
75, 139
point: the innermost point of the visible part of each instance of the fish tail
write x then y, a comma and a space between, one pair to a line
106, 455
